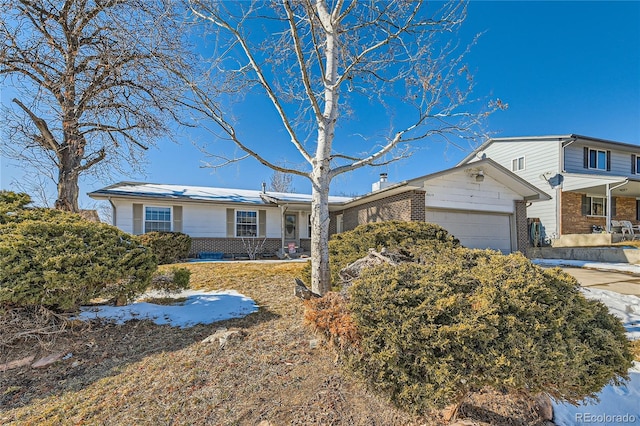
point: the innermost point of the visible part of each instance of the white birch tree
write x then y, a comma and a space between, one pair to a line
323, 64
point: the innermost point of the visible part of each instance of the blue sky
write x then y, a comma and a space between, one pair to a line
563, 67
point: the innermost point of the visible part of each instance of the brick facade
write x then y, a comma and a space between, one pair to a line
408, 206
522, 226
574, 222
230, 246
626, 209
234, 246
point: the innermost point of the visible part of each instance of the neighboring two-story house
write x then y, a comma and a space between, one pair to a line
591, 181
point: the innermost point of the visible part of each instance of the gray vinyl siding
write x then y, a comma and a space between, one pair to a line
620, 160
541, 157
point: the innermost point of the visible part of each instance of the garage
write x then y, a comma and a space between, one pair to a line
475, 229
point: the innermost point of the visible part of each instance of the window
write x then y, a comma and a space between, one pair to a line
597, 159
517, 164
635, 164
595, 206
246, 223
290, 225
339, 223
157, 219
309, 226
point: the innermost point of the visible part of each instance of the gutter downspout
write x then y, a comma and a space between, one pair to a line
113, 212
609, 190
561, 169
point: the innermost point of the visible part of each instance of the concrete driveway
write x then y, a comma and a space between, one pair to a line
619, 282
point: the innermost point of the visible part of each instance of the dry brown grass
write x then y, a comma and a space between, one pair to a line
144, 374
635, 349
629, 243
141, 373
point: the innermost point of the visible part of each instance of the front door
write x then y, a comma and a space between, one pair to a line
290, 225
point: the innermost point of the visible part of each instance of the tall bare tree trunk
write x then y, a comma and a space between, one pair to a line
321, 174
67, 192
320, 274
67, 183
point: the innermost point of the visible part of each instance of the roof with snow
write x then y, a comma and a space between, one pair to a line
203, 193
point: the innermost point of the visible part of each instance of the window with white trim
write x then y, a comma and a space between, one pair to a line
597, 159
597, 206
157, 219
636, 160
246, 223
517, 164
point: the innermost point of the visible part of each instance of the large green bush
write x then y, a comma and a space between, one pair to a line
408, 238
12, 201
465, 319
59, 260
173, 281
169, 247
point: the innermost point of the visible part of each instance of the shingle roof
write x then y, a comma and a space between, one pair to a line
204, 193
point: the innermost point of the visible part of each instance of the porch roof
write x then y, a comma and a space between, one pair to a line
622, 186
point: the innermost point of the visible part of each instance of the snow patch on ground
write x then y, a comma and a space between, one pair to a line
200, 307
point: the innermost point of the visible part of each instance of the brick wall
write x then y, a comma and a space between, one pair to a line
230, 245
418, 207
625, 209
332, 222
305, 244
573, 222
522, 228
408, 206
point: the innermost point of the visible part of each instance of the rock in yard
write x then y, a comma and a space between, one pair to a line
223, 335
15, 364
353, 270
48, 360
302, 291
543, 406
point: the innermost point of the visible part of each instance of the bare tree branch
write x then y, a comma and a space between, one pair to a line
48, 140
212, 17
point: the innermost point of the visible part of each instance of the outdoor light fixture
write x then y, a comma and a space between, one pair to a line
480, 176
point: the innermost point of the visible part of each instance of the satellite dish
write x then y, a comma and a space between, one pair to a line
555, 181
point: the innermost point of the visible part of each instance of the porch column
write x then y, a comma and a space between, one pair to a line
608, 224
283, 209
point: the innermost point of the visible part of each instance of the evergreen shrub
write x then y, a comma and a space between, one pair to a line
59, 260
408, 238
461, 319
169, 247
173, 282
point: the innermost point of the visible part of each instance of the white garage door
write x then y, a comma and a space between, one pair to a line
475, 230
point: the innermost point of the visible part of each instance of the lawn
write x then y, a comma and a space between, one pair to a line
276, 373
